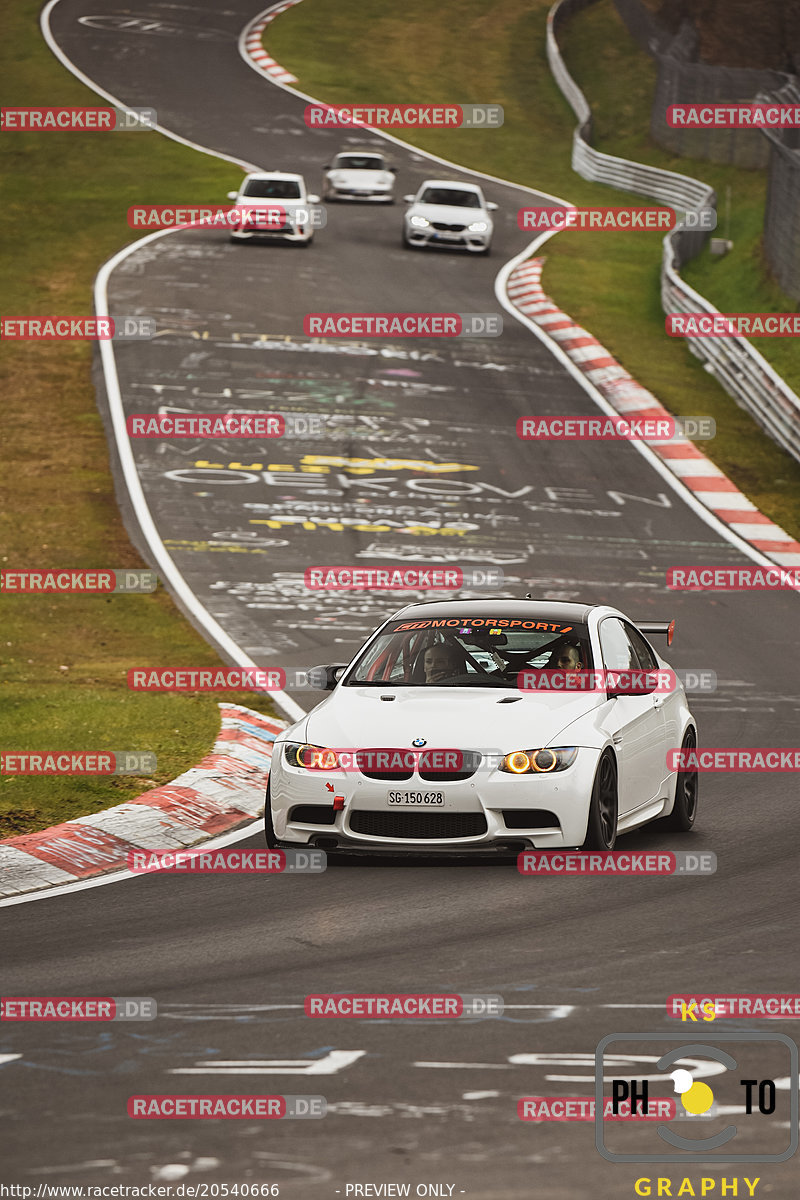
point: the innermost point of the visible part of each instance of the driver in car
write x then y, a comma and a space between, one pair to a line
441, 662
569, 659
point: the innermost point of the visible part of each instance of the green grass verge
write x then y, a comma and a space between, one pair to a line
64, 203
609, 282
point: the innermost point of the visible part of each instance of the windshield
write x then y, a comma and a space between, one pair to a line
358, 162
452, 196
273, 189
469, 652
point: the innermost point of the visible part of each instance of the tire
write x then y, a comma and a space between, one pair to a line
684, 811
406, 243
485, 252
601, 831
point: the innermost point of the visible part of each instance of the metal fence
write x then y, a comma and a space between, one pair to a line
782, 215
683, 80
741, 370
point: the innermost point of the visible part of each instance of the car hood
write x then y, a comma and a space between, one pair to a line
358, 178
450, 214
447, 718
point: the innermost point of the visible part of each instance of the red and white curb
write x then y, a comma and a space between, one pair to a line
702, 477
253, 46
223, 791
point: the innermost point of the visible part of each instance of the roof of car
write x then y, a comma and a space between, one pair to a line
272, 175
360, 154
451, 183
554, 610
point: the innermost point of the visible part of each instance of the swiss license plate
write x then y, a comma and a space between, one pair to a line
418, 799
446, 237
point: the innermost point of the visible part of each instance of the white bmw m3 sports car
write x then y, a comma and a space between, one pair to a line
480, 725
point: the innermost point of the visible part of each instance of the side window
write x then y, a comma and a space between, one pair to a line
618, 653
647, 660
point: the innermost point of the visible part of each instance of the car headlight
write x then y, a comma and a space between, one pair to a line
310, 758
539, 762
420, 222
478, 227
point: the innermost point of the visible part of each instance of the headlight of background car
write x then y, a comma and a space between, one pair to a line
539, 762
310, 758
478, 227
420, 222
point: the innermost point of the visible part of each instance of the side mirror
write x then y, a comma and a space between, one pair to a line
643, 683
409, 199
326, 678
491, 206
312, 198
392, 169
327, 167
232, 195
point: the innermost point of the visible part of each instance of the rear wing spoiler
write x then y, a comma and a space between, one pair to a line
660, 627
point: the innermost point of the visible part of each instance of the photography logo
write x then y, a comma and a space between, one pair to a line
754, 1097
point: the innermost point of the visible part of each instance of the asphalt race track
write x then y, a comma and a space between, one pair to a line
229, 958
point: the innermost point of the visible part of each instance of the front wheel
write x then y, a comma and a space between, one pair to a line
684, 810
601, 832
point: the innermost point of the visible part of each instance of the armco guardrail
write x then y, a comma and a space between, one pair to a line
738, 366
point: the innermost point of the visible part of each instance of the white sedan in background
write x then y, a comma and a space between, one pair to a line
433, 739
359, 175
445, 212
284, 193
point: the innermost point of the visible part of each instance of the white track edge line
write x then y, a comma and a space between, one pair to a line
81, 885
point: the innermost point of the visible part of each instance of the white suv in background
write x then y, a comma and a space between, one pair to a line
278, 190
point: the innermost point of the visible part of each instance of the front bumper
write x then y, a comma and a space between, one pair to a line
370, 195
489, 811
454, 239
286, 234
